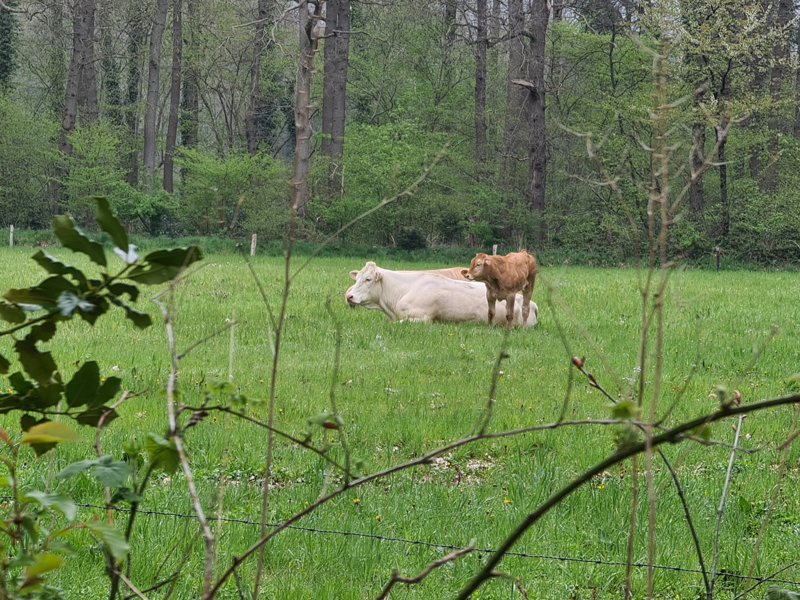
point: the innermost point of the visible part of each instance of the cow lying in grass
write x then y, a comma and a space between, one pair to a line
424, 296
504, 277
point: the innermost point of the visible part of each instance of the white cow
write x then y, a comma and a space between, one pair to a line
425, 296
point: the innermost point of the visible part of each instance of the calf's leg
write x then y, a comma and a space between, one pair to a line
510, 310
490, 300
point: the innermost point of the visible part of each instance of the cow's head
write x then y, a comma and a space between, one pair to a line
478, 267
366, 290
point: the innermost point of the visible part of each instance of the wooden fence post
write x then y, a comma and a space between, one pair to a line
253, 240
11, 236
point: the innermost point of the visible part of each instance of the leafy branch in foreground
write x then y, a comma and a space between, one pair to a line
29, 551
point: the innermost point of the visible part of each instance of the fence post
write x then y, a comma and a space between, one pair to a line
11, 236
253, 245
494, 249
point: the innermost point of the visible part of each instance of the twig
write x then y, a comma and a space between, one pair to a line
673, 435
397, 578
130, 585
337, 353
175, 435
721, 508
486, 416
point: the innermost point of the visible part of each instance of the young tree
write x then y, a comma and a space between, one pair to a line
309, 13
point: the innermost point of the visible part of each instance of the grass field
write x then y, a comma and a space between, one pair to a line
404, 389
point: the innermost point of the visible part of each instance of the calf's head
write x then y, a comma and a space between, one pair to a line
367, 289
478, 268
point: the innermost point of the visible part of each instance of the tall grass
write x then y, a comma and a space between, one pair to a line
404, 389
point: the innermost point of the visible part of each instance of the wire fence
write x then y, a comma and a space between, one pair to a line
442, 546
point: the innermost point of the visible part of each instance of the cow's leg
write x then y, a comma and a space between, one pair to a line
526, 303
490, 300
510, 310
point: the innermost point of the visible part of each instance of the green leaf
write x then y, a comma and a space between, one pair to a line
114, 541
4, 365
118, 289
106, 470
139, 319
40, 366
108, 389
175, 257
99, 307
49, 432
162, 453
43, 332
109, 223
61, 503
83, 386
164, 265
625, 409
126, 495
43, 563
43, 295
11, 313
56, 267
74, 239
91, 416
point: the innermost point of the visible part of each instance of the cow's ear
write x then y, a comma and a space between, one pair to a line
464, 272
353, 275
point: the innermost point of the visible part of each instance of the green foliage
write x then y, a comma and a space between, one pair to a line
8, 45
28, 161
28, 551
239, 193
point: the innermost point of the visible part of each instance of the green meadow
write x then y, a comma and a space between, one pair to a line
404, 389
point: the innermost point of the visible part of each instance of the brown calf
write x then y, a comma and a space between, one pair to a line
504, 276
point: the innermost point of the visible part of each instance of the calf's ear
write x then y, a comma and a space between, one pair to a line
464, 272
353, 275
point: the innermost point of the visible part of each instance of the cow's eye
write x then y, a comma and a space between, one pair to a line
368, 279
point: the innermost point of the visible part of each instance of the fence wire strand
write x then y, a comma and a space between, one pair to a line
439, 546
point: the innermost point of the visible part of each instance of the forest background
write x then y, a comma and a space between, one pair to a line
209, 117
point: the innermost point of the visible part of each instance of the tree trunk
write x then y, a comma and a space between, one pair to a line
81, 89
251, 129
778, 73
174, 96
190, 104
697, 200
515, 116
153, 79
136, 38
309, 40
481, 50
535, 107
334, 96
112, 90
87, 89
725, 217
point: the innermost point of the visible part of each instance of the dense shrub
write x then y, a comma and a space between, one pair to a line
28, 162
238, 193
